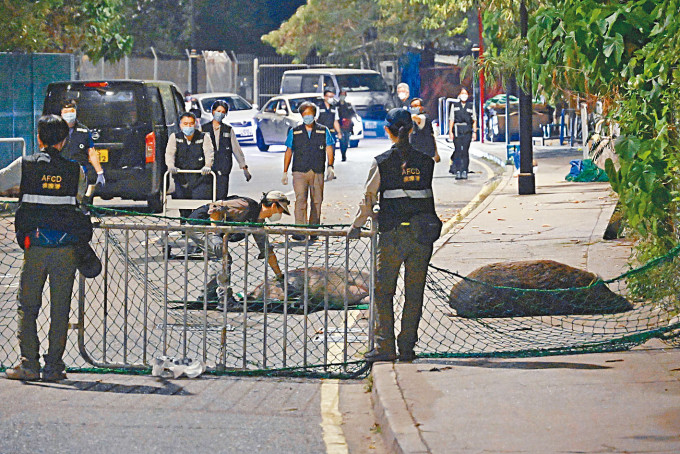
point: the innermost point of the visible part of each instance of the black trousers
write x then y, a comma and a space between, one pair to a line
461, 153
201, 191
222, 186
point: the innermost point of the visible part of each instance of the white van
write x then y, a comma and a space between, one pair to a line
366, 91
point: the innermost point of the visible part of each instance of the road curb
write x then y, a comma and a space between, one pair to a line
399, 432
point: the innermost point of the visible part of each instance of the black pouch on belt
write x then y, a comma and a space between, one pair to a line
87, 263
426, 228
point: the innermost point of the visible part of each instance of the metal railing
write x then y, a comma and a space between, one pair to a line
228, 309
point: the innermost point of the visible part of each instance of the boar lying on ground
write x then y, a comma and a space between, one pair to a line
471, 299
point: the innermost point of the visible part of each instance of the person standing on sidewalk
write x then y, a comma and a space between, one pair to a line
50, 229
346, 113
422, 137
462, 123
225, 144
80, 146
308, 145
400, 180
190, 150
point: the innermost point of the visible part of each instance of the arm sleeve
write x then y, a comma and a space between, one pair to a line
170, 151
208, 150
330, 142
289, 139
82, 185
10, 176
370, 196
236, 149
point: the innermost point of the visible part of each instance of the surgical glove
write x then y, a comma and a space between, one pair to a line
330, 173
284, 179
247, 174
353, 232
206, 170
173, 170
100, 179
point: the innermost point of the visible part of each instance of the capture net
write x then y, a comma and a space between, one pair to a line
162, 293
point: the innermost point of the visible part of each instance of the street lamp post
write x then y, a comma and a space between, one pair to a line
526, 180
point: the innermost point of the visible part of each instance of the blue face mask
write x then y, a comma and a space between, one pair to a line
188, 130
414, 110
69, 117
219, 116
308, 119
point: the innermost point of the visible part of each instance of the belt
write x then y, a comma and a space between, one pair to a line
410, 193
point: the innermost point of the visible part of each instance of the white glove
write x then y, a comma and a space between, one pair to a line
330, 173
247, 174
101, 180
205, 170
173, 170
284, 179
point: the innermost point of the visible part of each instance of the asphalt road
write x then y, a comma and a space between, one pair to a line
90, 413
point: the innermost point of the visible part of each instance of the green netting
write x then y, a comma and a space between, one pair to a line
149, 302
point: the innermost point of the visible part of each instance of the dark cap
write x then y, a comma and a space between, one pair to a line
396, 118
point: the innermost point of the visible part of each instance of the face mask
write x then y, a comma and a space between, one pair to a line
275, 217
69, 117
219, 116
308, 119
343, 97
330, 101
463, 97
188, 130
403, 96
414, 110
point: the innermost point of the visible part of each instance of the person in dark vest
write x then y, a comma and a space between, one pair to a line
346, 114
400, 180
80, 146
462, 123
49, 228
328, 114
271, 206
308, 146
225, 145
422, 137
190, 149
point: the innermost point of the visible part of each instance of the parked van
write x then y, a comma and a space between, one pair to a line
366, 90
130, 122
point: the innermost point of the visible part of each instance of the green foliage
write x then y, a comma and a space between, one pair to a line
349, 28
95, 27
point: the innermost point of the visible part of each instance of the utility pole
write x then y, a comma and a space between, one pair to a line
193, 57
526, 181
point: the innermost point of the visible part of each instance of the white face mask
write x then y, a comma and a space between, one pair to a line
402, 95
275, 217
463, 97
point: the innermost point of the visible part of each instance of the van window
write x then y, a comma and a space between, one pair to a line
270, 106
328, 84
361, 82
103, 107
156, 106
291, 83
168, 105
295, 102
310, 83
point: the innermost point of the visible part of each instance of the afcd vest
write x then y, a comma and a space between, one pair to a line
78, 145
189, 156
309, 152
223, 155
405, 186
423, 139
327, 116
49, 185
463, 113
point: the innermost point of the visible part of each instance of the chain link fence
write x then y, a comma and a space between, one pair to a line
167, 290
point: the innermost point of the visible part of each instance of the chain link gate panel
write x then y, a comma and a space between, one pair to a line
162, 293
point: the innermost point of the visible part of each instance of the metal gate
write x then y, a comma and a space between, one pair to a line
268, 72
166, 291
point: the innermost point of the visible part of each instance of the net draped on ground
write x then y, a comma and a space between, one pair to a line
144, 306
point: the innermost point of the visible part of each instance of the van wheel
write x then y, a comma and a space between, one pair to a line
259, 140
353, 143
154, 203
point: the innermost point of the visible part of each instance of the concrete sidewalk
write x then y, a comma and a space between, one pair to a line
612, 402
